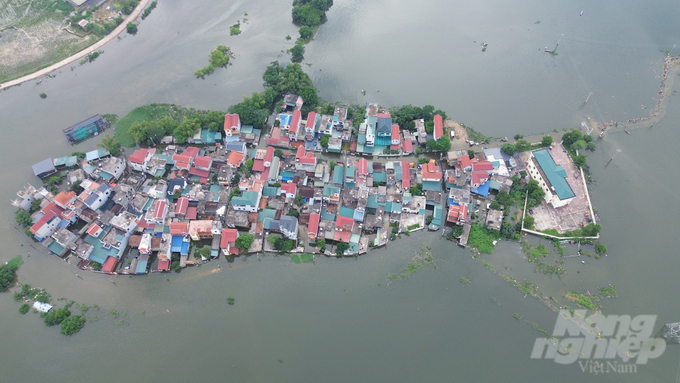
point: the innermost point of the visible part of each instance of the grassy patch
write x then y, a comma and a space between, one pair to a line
581, 300
295, 258
482, 238
306, 257
609, 291
151, 112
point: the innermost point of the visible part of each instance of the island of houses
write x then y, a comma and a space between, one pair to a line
237, 191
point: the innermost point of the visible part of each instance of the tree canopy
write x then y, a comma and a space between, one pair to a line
244, 241
297, 53
546, 141
186, 129
570, 137
111, 144
253, 110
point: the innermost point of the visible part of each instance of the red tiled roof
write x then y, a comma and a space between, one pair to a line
62, 199
405, 175
265, 173
395, 131
109, 265
344, 223
295, 121
479, 177
42, 221
311, 119
144, 224
482, 165
179, 228
313, 226
158, 213
228, 236
363, 166
203, 162
270, 154
139, 155
300, 152
289, 188
235, 159
431, 171
308, 158
192, 213
164, 264
394, 147
342, 235
408, 146
182, 205
258, 165
199, 173
191, 151
94, 230
384, 115
457, 213
465, 161
438, 126
230, 120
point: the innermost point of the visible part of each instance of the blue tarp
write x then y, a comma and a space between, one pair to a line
482, 190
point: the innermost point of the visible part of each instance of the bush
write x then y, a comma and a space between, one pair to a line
43, 95
72, 324
23, 309
131, 28
56, 316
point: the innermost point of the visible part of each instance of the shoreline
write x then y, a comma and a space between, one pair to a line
79, 55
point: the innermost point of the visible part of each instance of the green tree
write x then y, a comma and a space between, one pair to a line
504, 198
570, 137
429, 127
23, 309
309, 96
293, 213
430, 144
495, 205
546, 141
306, 32
340, 248
471, 153
249, 163
72, 324
508, 149
278, 153
75, 187
175, 265
443, 144
591, 229
518, 136
578, 145
294, 79
220, 56
214, 121
415, 191
252, 110
23, 217
131, 28
272, 75
323, 141
7, 272
321, 244
600, 249
297, 53
186, 129
522, 146
56, 316
138, 131
111, 144
529, 222
591, 146
580, 160
298, 200
307, 15
244, 241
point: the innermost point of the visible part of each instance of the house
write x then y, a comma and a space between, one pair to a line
292, 101
63, 199
331, 193
182, 161
179, 228
551, 177
384, 125
140, 158
431, 172
295, 124
94, 199
46, 226
203, 163
248, 201
160, 211
407, 147
457, 214
478, 178
44, 168
465, 163
228, 242
422, 132
232, 125
204, 228
313, 226
42, 307
310, 126
181, 207
286, 225
438, 127
494, 219
268, 157
235, 160
111, 169
126, 222
485, 166
305, 161
344, 223
335, 145
395, 137
289, 189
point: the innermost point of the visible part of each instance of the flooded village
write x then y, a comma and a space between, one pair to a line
318, 184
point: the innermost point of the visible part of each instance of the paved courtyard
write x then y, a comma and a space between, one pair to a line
569, 217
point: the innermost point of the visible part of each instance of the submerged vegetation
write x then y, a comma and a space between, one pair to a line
8, 272
219, 58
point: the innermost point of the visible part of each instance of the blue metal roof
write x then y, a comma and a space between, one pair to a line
557, 175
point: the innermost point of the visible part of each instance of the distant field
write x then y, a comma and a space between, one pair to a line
151, 112
33, 36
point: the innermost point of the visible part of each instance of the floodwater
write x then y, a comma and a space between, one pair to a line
340, 320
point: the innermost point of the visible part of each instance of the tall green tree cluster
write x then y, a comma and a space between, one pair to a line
310, 12
406, 114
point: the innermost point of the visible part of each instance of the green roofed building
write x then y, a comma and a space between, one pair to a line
552, 178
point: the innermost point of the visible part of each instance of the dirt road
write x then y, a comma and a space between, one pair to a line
94, 47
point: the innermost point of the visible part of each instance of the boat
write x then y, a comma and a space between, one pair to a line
627, 132
581, 14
